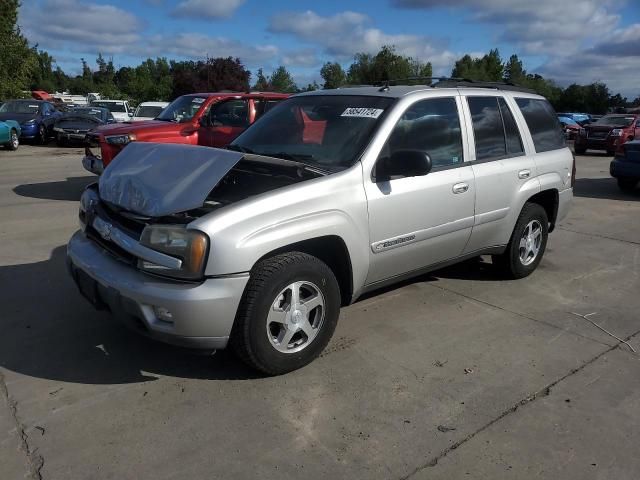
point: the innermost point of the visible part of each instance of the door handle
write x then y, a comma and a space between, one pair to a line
524, 173
460, 187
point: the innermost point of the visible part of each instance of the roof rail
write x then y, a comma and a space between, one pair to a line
465, 82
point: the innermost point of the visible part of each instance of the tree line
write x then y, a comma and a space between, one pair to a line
24, 68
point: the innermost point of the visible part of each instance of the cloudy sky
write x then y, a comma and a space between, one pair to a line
578, 41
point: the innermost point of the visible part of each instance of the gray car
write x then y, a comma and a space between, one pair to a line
329, 195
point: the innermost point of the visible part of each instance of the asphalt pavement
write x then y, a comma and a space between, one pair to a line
457, 374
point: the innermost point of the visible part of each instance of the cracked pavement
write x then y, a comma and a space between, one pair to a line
456, 374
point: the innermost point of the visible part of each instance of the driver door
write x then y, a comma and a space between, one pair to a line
224, 122
419, 221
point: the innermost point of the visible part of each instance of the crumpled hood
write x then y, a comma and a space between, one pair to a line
156, 179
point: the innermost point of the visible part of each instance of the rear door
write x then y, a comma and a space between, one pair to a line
224, 122
501, 166
419, 221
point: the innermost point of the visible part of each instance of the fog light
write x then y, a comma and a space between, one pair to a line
163, 314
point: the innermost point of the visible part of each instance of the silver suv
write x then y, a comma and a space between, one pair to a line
329, 195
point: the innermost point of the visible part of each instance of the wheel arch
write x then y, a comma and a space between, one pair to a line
330, 249
549, 200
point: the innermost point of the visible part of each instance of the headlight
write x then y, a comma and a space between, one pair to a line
120, 139
616, 132
191, 246
88, 200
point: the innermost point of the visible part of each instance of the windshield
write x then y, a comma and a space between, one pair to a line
21, 106
148, 111
117, 107
616, 121
182, 109
94, 112
327, 132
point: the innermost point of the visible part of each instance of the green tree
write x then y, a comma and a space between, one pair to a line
18, 62
262, 83
489, 68
282, 81
333, 75
514, 72
386, 65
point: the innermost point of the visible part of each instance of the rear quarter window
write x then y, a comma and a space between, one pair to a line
543, 124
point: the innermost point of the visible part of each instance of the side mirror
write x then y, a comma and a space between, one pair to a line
403, 163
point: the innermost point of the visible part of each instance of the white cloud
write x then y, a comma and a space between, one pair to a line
614, 60
207, 8
346, 33
79, 26
537, 27
306, 57
198, 46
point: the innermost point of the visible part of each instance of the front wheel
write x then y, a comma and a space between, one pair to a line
14, 140
527, 244
287, 314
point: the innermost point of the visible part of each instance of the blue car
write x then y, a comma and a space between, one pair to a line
626, 168
10, 134
581, 118
36, 118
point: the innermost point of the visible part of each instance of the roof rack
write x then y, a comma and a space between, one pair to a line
465, 82
452, 82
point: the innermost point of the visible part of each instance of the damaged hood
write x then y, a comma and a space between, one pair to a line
155, 179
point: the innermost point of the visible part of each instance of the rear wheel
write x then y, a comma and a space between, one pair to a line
287, 314
627, 184
528, 243
14, 140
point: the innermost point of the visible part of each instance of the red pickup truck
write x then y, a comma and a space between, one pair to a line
207, 119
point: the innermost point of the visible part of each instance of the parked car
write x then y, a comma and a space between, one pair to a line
9, 134
148, 110
625, 167
331, 194
207, 119
607, 133
74, 125
581, 118
36, 118
120, 109
570, 127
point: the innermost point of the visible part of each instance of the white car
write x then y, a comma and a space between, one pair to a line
120, 109
148, 110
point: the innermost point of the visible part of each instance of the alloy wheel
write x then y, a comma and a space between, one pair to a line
530, 242
295, 317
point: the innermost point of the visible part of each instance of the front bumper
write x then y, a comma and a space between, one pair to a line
202, 314
607, 143
624, 169
93, 164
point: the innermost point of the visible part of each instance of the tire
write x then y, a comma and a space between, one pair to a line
264, 315
627, 184
42, 135
611, 152
14, 140
579, 150
519, 261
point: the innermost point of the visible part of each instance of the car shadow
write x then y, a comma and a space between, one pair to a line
49, 331
606, 188
69, 189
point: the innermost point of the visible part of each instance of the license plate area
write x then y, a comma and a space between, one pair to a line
88, 288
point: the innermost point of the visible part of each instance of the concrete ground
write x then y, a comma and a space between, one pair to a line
454, 375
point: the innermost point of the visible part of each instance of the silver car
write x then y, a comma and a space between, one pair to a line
329, 195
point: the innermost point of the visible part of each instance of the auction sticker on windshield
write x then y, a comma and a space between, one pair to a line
197, 100
362, 112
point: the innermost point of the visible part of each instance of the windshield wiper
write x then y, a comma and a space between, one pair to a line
300, 158
239, 148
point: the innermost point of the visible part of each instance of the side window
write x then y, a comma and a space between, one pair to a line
232, 113
263, 106
488, 130
511, 132
432, 126
543, 124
